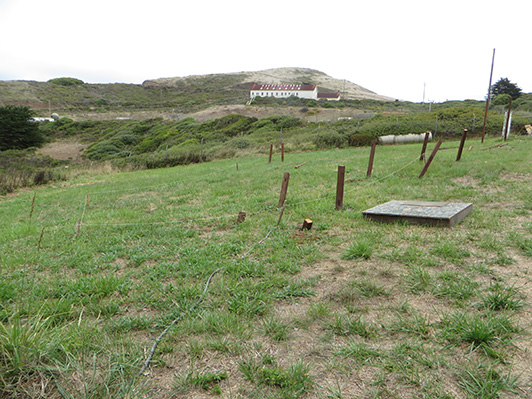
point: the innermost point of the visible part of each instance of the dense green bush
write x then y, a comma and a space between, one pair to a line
331, 138
66, 81
361, 139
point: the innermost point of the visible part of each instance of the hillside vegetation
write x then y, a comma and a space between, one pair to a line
95, 270
155, 142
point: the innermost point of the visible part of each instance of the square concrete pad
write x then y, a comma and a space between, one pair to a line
420, 212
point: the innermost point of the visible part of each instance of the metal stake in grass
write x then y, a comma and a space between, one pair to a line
371, 157
424, 148
340, 187
462, 142
32, 204
40, 239
432, 155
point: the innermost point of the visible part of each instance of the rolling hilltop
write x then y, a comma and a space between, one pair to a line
244, 80
183, 95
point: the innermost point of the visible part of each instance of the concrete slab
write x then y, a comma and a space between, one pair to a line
420, 212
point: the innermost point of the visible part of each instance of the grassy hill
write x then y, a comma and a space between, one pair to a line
95, 269
181, 95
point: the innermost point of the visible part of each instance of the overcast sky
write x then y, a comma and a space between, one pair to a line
400, 49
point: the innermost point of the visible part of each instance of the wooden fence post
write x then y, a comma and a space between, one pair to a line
271, 153
88, 200
432, 155
284, 189
424, 148
282, 152
462, 142
340, 187
371, 157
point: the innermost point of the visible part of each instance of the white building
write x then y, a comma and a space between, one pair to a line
284, 91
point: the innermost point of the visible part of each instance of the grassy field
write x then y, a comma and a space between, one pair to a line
94, 271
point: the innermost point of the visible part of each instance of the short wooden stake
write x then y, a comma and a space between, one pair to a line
40, 239
432, 155
282, 152
424, 148
462, 142
88, 200
340, 187
32, 204
307, 224
271, 153
241, 217
78, 227
284, 189
237, 166
371, 158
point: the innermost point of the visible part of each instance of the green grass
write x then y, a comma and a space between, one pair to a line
289, 314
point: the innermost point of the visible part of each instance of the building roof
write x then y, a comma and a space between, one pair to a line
283, 87
329, 95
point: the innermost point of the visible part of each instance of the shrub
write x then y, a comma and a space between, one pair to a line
331, 138
66, 81
501, 99
361, 139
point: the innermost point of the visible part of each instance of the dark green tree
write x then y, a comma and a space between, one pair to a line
504, 86
17, 131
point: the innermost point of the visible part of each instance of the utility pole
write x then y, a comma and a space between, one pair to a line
488, 98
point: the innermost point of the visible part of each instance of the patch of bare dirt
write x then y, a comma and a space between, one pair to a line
63, 150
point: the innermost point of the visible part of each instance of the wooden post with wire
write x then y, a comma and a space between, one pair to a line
371, 157
271, 153
424, 148
340, 187
432, 155
282, 152
284, 189
462, 142
281, 214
